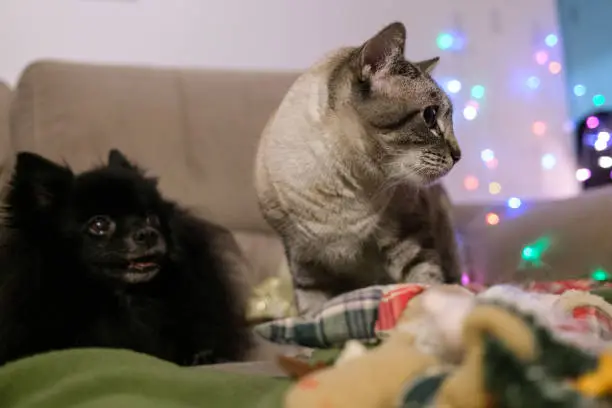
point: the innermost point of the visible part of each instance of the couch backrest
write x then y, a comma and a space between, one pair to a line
199, 129
5, 99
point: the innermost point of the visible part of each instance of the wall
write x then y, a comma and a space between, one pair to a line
585, 26
501, 38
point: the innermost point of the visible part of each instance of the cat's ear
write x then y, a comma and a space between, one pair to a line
38, 182
387, 45
117, 159
428, 65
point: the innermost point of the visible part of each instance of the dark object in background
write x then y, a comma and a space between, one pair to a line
100, 259
594, 149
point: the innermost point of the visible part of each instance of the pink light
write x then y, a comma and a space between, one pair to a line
492, 164
465, 279
541, 57
592, 122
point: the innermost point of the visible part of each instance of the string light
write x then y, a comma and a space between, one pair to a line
548, 161
554, 67
470, 183
465, 279
541, 57
453, 86
551, 40
583, 174
492, 219
592, 122
605, 162
445, 41
470, 112
600, 274
533, 82
478, 91
579, 90
599, 100
492, 164
494, 188
538, 128
487, 155
514, 203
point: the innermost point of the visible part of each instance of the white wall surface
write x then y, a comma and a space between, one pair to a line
502, 36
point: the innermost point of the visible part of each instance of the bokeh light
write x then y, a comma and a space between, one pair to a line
465, 279
541, 57
592, 122
579, 90
533, 82
494, 188
445, 41
514, 202
492, 218
487, 155
600, 274
551, 40
600, 145
492, 164
470, 183
583, 174
599, 100
605, 162
478, 91
548, 161
453, 86
554, 67
470, 112
538, 128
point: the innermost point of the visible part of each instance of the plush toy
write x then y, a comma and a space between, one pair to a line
510, 360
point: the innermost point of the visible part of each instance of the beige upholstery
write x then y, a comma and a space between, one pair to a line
5, 99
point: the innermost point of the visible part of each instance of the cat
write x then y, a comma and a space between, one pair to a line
346, 172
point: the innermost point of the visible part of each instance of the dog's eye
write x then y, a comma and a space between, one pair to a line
100, 225
153, 220
430, 116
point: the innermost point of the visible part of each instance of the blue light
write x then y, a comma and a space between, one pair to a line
533, 82
478, 91
548, 161
487, 155
514, 202
579, 90
551, 40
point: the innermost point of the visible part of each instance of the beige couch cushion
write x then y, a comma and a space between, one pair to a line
5, 99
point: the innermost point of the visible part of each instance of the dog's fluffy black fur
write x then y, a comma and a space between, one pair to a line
101, 259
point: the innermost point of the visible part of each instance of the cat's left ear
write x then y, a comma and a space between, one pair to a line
118, 160
428, 65
385, 47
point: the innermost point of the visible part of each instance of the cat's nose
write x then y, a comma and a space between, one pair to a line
147, 236
455, 152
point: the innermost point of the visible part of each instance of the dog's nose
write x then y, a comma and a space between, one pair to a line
146, 236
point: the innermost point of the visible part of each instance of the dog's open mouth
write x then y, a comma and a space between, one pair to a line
141, 269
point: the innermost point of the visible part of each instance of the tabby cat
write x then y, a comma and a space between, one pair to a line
347, 167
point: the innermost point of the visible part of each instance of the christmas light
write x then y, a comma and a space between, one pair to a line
579, 90
583, 174
548, 161
538, 128
551, 40
554, 67
532, 253
600, 145
487, 155
494, 188
599, 100
492, 219
600, 274
470, 112
605, 162
541, 57
514, 202
478, 91
603, 135
492, 164
453, 86
445, 41
465, 279
470, 183
592, 122
533, 82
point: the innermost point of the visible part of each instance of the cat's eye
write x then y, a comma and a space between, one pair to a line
153, 220
100, 225
430, 116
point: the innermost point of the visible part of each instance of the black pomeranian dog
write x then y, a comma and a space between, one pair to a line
101, 259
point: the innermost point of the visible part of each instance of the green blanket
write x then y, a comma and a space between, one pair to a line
96, 378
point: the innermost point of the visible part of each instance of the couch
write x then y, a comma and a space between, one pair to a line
198, 130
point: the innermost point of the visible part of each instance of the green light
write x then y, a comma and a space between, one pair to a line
445, 41
600, 275
478, 91
532, 253
599, 100
528, 253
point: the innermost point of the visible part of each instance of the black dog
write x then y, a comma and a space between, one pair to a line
100, 259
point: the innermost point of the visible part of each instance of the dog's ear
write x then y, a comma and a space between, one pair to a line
118, 160
39, 183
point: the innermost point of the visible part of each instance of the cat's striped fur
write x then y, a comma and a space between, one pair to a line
346, 168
